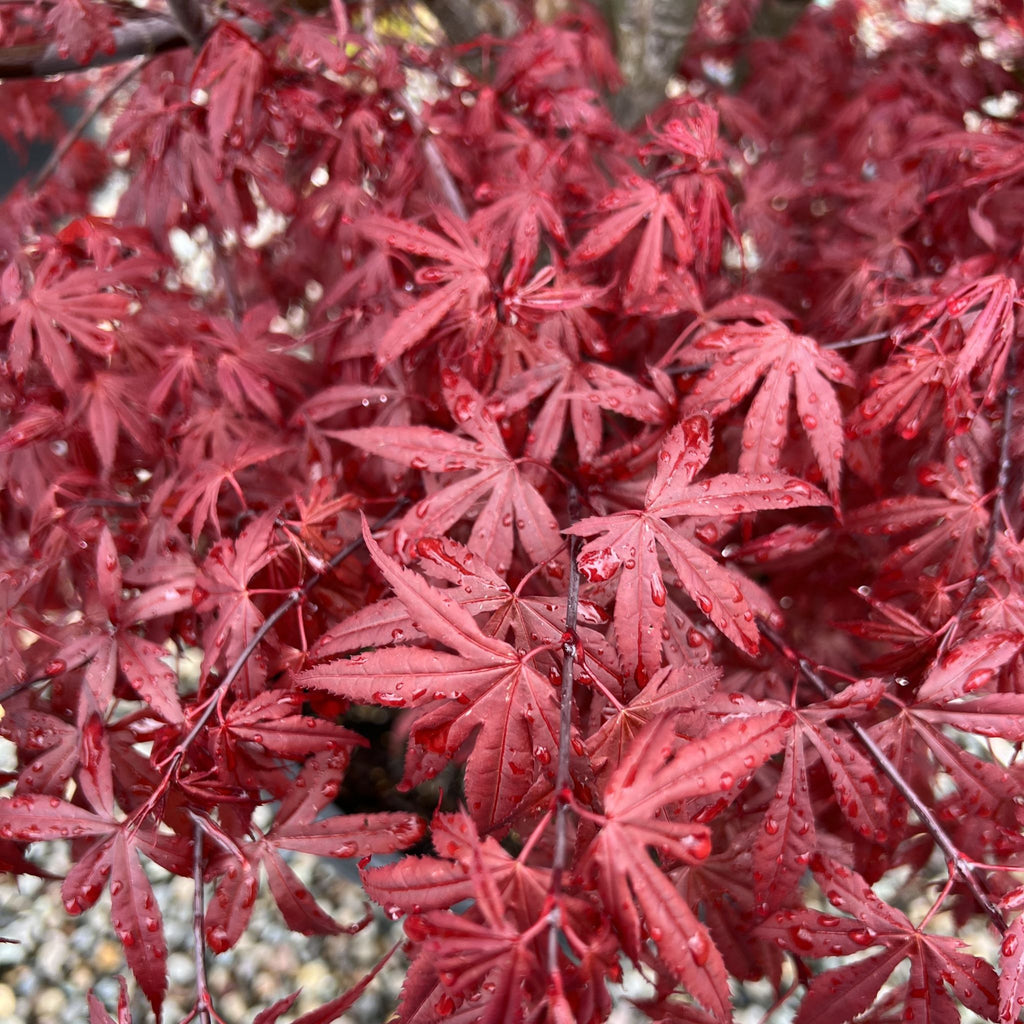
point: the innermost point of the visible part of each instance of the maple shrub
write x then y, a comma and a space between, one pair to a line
660, 487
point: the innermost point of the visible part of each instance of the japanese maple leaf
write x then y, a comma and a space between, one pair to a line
113, 645
110, 405
628, 543
256, 734
469, 866
982, 314
619, 212
81, 28
519, 206
661, 769
950, 526
465, 281
223, 588
1011, 959
495, 939
114, 856
59, 309
669, 690
531, 621
906, 391
232, 70
202, 486
575, 393
297, 826
957, 692
485, 473
693, 144
787, 837
487, 690
846, 992
743, 354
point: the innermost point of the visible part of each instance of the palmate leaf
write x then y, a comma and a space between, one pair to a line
786, 840
487, 689
223, 587
628, 543
843, 993
465, 282
743, 354
662, 769
60, 312
489, 485
623, 209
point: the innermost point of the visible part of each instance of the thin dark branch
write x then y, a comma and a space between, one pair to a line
957, 864
145, 37
199, 925
854, 342
79, 127
562, 778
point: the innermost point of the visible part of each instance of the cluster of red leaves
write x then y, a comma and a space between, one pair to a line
621, 403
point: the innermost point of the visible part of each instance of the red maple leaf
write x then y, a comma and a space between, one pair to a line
628, 542
490, 484
842, 993
113, 856
465, 280
743, 354
223, 588
297, 826
660, 769
62, 311
487, 690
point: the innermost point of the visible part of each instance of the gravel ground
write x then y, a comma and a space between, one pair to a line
45, 976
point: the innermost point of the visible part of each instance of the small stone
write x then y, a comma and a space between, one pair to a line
313, 977
49, 1004
109, 956
8, 1001
179, 969
233, 1006
52, 956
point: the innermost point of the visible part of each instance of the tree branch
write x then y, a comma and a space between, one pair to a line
77, 130
145, 37
562, 777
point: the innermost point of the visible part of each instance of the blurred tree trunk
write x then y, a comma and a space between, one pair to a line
650, 36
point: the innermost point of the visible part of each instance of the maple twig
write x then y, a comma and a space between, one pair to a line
569, 642
147, 36
198, 923
957, 865
73, 134
997, 512
227, 277
144, 37
854, 342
